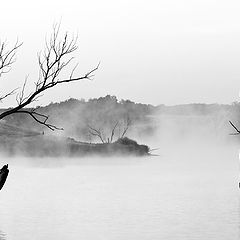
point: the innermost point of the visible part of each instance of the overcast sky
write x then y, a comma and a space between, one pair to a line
171, 52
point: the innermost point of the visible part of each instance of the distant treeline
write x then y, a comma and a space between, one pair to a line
77, 116
104, 113
194, 109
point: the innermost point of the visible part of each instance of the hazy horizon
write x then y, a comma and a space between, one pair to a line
119, 99
87, 181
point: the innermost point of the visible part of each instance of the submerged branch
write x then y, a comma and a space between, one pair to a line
237, 131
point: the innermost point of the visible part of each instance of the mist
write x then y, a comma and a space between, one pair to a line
156, 159
105, 120
187, 183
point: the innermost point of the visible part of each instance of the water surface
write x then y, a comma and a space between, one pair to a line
187, 192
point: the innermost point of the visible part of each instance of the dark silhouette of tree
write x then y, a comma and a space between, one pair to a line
56, 56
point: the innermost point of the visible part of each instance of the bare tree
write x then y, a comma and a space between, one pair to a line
113, 132
96, 132
100, 133
56, 56
128, 123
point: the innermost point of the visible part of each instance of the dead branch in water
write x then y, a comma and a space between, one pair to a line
237, 131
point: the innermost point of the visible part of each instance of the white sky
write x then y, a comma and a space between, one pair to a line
150, 51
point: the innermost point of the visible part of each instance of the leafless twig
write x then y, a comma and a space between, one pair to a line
7, 56
96, 132
113, 131
40, 118
8, 94
56, 56
128, 123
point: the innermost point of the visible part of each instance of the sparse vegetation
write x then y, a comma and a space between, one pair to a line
174, 122
101, 114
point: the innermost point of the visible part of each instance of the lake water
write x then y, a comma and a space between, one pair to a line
188, 192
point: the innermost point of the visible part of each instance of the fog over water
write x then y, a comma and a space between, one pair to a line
189, 191
153, 52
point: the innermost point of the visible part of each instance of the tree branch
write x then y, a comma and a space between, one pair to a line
40, 118
56, 56
237, 131
7, 56
95, 132
128, 123
113, 132
8, 94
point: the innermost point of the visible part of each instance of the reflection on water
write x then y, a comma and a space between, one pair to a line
184, 194
2, 236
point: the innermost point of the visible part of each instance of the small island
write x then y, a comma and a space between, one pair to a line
15, 141
123, 146
105, 126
